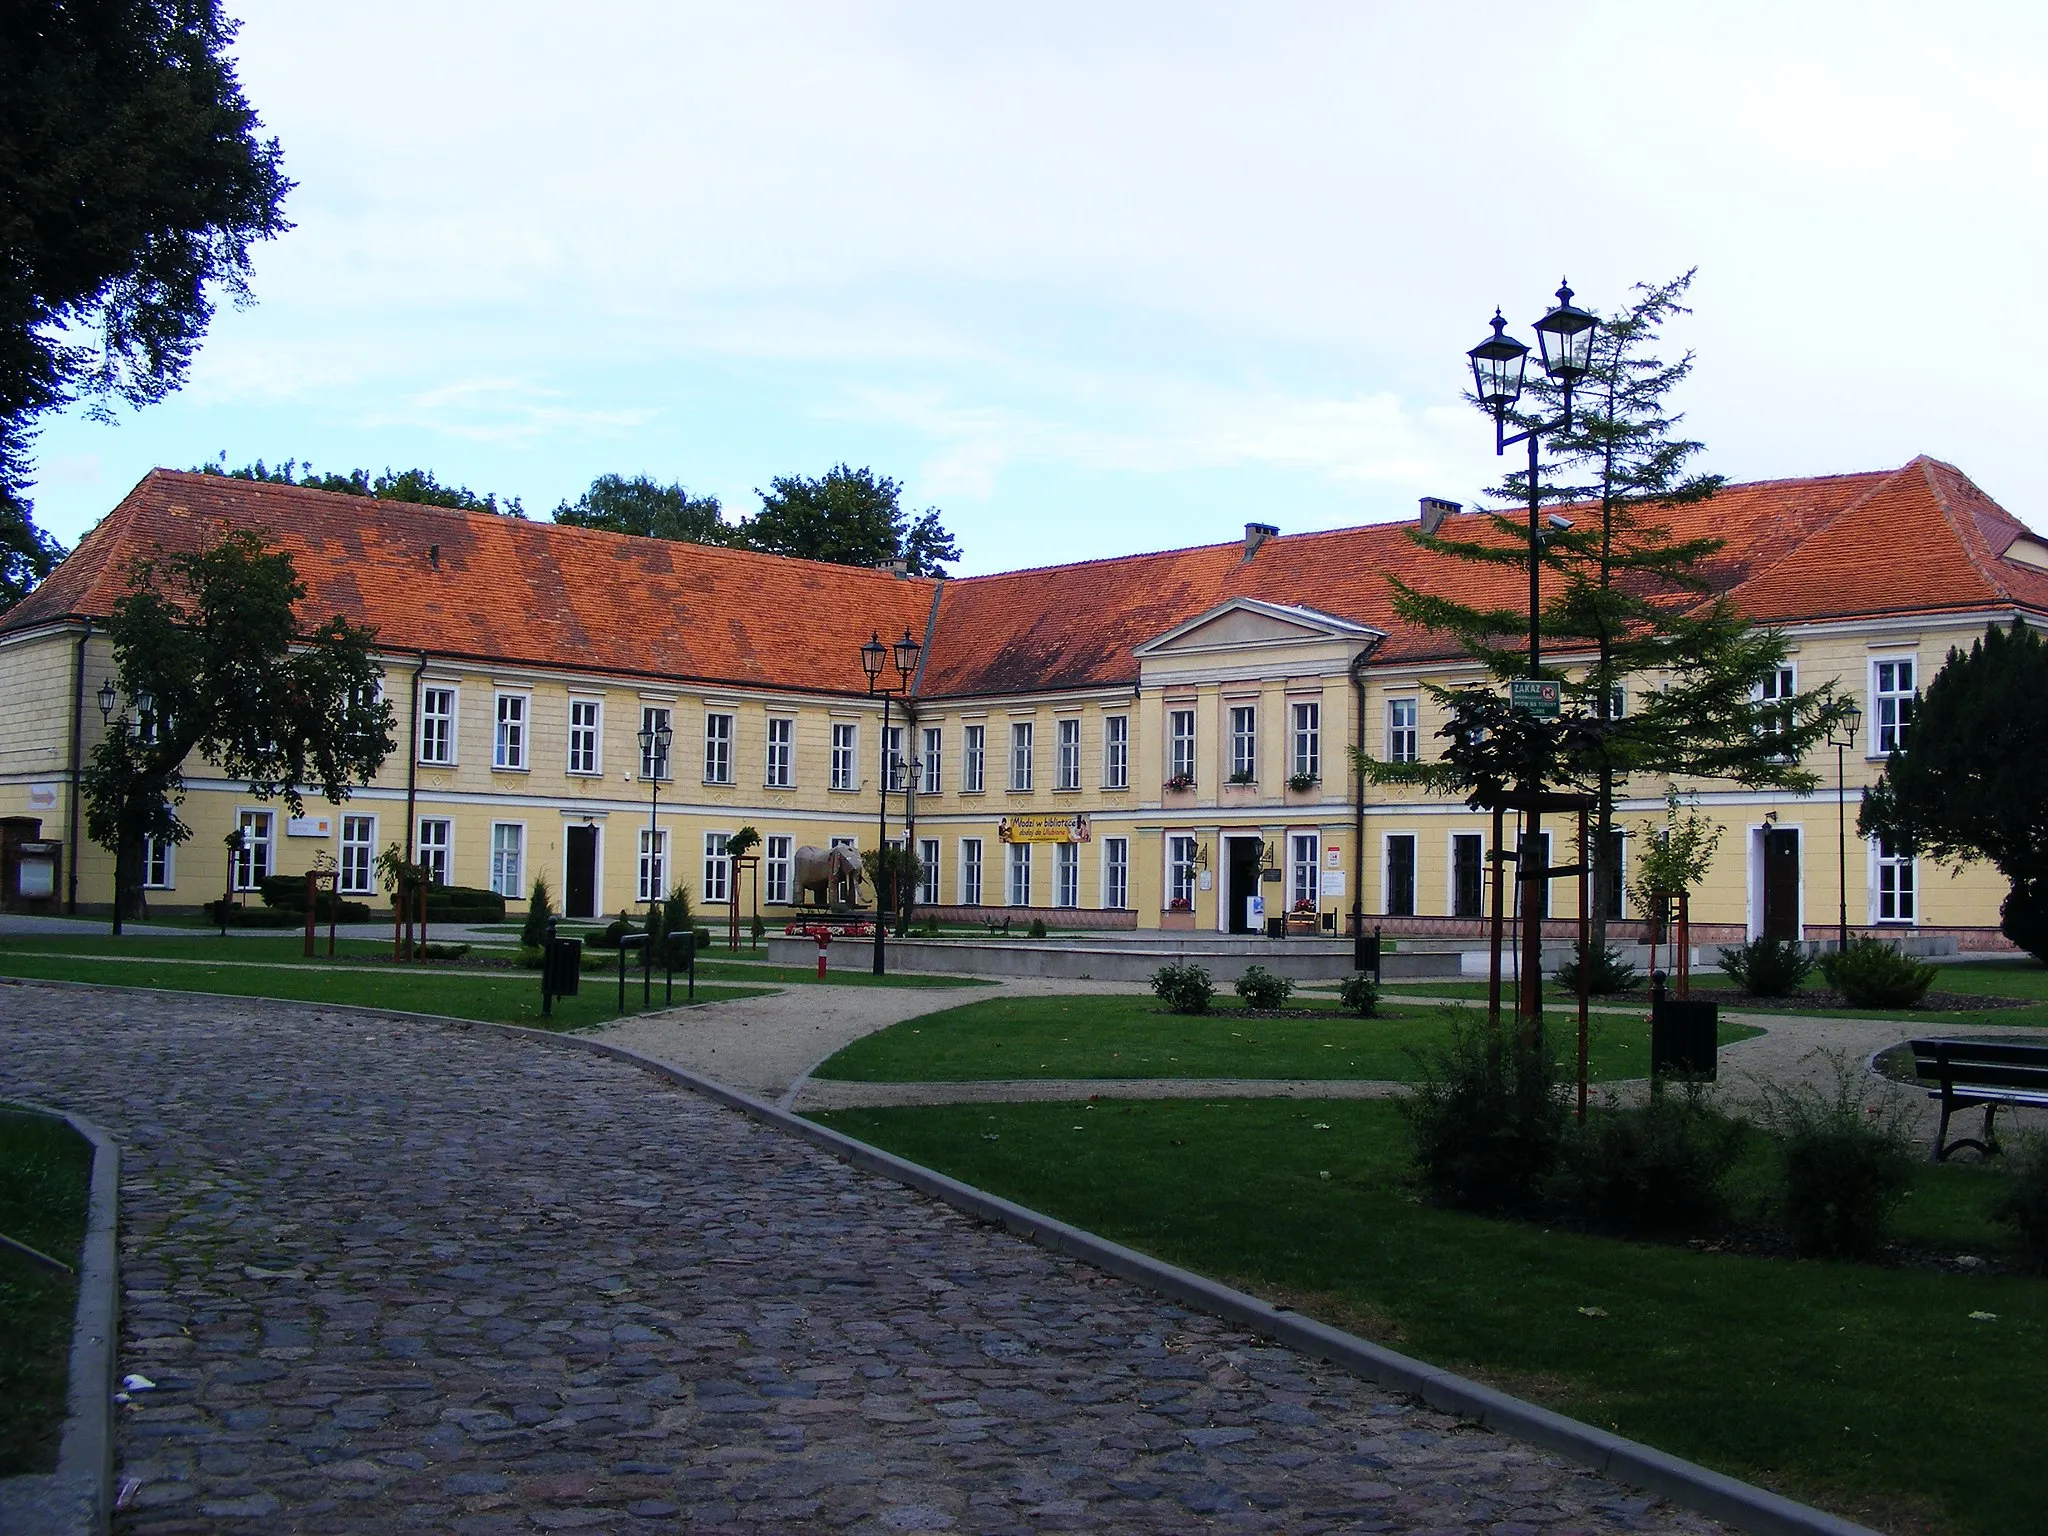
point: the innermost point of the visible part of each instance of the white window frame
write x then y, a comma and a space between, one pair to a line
258, 829
1180, 744
1772, 718
719, 729
933, 758
970, 872
438, 726
586, 737
1066, 874
1894, 887
657, 766
1387, 841
778, 766
366, 847
159, 864
433, 854
1404, 729
1023, 747
973, 759
653, 861
1116, 751
1244, 743
1305, 859
1066, 770
1181, 882
891, 761
717, 882
511, 711
928, 871
845, 755
1306, 719
1892, 709
779, 866
508, 880
1116, 874
1017, 874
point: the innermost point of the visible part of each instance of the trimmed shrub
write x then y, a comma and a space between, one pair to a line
540, 906
464, 904
1360, 993
1660, 1167
1183, 988
1485, 1119
2023, 1203
1038, 928
1768, 967
287, 893
258, 917
612, 932
1845, 1164
1607, 974
1873, 974
443, 951
1260, 988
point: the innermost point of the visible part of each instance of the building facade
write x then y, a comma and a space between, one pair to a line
1142, 742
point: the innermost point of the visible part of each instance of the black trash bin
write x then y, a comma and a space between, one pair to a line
564, 966
1684, 1035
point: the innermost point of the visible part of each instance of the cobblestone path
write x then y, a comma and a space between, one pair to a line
407, 1277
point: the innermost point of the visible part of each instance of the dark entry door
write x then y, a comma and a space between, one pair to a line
1781, 883
580, 899
1244, 879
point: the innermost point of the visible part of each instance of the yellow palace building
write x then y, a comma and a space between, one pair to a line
1126, 743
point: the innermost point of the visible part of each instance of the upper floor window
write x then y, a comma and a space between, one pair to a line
1180, 746
781, 752
1308, 740
437, 725
1067, 766
510, 748
1773, 695
1891, 699
934, 741
1020, 757
585, 718
1403, 731
1244, 744
718, 749
1116, 751
845, 746
972, 753
653, 754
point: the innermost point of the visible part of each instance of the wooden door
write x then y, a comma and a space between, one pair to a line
1781, 883
580, 897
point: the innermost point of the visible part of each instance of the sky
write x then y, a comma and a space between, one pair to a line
1094, 278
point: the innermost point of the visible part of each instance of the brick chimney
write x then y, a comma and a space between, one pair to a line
1256, 534
1435, 509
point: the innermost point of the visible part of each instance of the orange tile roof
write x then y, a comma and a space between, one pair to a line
1919, 539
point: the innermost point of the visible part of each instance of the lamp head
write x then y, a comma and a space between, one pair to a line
1497, 364
1566, 336
906, 650
108, 699
872, 656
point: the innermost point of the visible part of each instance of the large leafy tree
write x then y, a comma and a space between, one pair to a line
415, 485
209, 654
1967, 785
133, 182
649, 509
851, 517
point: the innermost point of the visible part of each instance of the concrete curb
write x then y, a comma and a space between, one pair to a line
77, 1499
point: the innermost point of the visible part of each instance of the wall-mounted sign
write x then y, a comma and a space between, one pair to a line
1333, 882
1333, 857
1270, 876
1538, 696
1040, 828
42, 797
309, 826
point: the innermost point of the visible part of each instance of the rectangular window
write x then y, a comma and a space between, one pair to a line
1180, 873
1020, 754
1067, 763
1307, 756
781, 752
1020, 874
156, 863
1617, 869
252, 864
654, 757
1617, 702
1540, 864
358, 855
585, 730
779, 865
437, 838
1403, 745
653, 864
718, 749
1180, 747
1066, 875
1116, 873
509, 747
1774, 717
1305, 849
893, 766
970, 871
1401, 874
1244, 744
845, 753
508, 858
1891, 698
1468, 875
1895, 885
934, 741
717, 868
928, 878
971, 755
437, 725
1116, 752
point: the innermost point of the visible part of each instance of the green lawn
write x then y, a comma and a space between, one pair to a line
1871, 1391
45, 1176
1112, 1036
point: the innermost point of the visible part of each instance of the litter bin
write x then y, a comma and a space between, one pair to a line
564, 966
1684, 1035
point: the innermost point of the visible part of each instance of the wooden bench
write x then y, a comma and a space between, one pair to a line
1993, 1073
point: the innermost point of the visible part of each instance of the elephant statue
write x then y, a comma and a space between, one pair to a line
819, 870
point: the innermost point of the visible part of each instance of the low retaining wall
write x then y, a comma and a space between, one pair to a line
1082, 961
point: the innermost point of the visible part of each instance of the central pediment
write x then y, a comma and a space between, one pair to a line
1250, 623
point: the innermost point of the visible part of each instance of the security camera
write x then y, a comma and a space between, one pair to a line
1559, 523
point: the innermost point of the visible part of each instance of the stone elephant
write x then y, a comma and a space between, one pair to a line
819, 870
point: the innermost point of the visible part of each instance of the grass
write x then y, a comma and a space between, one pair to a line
45, 1176
1120, 1035
1871, 1391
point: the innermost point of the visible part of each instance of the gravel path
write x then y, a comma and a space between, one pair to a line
396, 1276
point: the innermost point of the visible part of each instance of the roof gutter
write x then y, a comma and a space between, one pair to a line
77, 767
412, 757
1358, 665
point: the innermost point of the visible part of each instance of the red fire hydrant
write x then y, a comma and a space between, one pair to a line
824, 937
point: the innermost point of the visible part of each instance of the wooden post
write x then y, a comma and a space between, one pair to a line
312, 904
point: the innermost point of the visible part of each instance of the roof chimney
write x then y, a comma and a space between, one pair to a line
1256, 534
900, 566
1434, 510
434, 556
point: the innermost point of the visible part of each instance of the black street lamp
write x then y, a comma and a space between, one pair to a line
1566, 337
654, 745
904, 654
1842, 736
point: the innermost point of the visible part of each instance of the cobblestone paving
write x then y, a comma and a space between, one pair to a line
407, 1277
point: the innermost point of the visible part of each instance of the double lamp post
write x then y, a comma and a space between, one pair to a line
873, 656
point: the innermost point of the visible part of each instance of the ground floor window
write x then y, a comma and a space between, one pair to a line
1400, 874
508, 858
157, 867
1066, 875
252, 863
1020, 874
1180, 874
1617, 873
1116, 872
653, 863
779, 864
1896, 885
717, 868
928, 873
1306, 858
970, 871
358, 855
1468, 875
437, 836
1538, 865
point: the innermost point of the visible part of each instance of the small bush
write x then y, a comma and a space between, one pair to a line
1768, 967
2023, 1203
1873, 974
256, 917
1660, 1167
1038, 928
443, 951
1260, 988
703, 941
540, 906
287, 893
1485, 1119
530, 957
1609, 973
1361, 994
1845, 1164
608, 937
759, 930
1183, 988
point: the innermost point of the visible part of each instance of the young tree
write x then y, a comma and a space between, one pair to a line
850, 517
651, 510
1967, 785
418, 486
208, 652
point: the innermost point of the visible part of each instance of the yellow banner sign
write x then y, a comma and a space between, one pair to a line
1043, 829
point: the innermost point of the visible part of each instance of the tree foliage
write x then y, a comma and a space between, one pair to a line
136, 182
418, 486
850, 517
645, 507
211, 640
1968, 783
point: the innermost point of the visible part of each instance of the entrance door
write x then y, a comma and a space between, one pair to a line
580, 899
1781, 883
1246, 855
